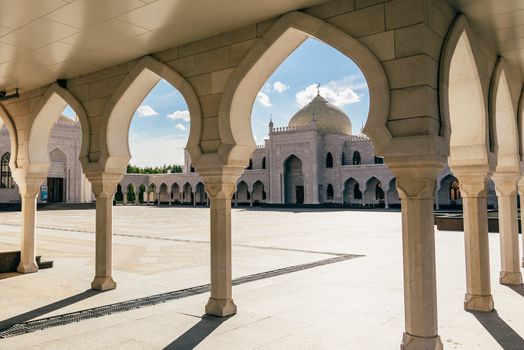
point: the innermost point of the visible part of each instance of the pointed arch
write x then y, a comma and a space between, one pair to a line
504, 120
5, 119
289, 32
463, 103
114, 132
57, 155
45, 115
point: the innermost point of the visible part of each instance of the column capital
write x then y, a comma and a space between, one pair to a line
28, 183
473, 180
221, 181
506, 183
104, 184
416, 180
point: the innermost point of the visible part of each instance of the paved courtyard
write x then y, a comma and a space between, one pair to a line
308, 279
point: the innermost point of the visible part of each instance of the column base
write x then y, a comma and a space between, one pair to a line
221, 307
103, 283
27, 267
411, 342
511, 278
482, 303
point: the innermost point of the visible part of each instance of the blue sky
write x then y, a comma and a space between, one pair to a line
160, 127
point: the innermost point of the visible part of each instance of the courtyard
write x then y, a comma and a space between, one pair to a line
303, 279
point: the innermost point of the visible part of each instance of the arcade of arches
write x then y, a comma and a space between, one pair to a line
438, 94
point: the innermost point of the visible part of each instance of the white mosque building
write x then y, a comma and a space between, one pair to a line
315, 160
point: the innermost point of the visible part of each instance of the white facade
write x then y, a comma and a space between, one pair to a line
65, 180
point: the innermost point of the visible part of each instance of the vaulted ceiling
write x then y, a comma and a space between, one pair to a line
42, 40
499, 23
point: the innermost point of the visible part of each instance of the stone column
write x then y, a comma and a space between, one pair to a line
104, 186
251, 199
473, 189
124, 198
416, 187
521, 193
137, 199
29, 187
194, 199
220, 185
506, 187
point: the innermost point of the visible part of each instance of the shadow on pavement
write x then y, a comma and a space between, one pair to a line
518, 289
26, 316
507, 338
196, 334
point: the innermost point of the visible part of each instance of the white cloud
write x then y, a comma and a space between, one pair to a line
338, 92
280, 87
179, 115
146, 111
180, 127
148, 150
263, 99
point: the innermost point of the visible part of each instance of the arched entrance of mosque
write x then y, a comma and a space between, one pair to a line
200, 194
242, 193
259, 193
187, 194
163, 194
352, 194
392, 194
175, 193
374, 194
57, 179
294, 192
142, 193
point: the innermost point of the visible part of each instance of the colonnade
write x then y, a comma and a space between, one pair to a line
417, 118
153, 197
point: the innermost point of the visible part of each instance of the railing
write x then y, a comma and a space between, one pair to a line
291, 128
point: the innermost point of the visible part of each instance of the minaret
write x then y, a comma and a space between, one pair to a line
270, 123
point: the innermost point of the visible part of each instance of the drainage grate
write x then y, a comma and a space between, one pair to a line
64, 319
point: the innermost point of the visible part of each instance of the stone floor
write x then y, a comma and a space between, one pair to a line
351, 304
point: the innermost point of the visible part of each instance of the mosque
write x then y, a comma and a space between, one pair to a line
315, 160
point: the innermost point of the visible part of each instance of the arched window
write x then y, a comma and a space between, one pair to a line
379, 160
454, 191
329, 160
379, 192
250, 166
330, 193
264, 163
343, 159
356, 158
356, 192
6, 178
191, 169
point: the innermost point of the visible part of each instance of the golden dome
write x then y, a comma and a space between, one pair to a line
330, 119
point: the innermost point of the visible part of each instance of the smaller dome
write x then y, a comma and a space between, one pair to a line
330, 119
